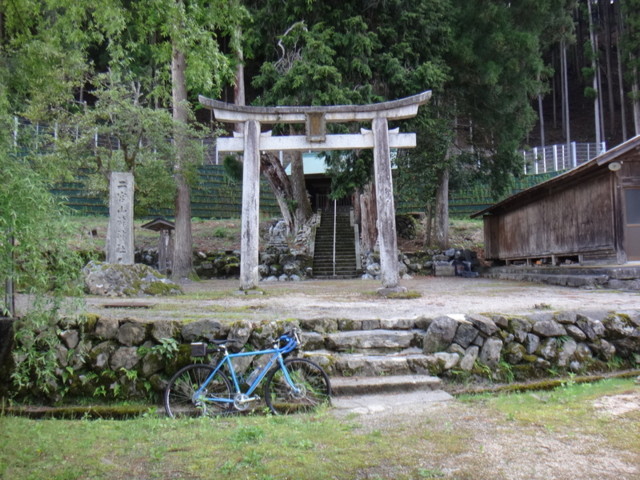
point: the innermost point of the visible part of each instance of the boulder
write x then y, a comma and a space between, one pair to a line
132, 333
531, 343
576, 332
519, 327
483, 324
548, 328
490, 353
548, 348
566, 351
439, 335
592, 328
70, 338
106, 328
124, 357
465, 335
514, 352
162, 329
469, 359
116, 280
202, 330
447, 360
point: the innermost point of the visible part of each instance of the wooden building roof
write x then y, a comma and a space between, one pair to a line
569, 177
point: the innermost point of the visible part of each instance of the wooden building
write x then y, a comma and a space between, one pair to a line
590, 214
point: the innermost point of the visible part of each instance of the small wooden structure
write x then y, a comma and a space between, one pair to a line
590, 214
165, 247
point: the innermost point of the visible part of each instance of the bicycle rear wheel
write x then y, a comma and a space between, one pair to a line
310, 389
179, 395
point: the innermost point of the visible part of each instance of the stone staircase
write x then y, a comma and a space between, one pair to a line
345, 247
367, 357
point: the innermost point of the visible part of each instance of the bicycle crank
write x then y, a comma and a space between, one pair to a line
241, 401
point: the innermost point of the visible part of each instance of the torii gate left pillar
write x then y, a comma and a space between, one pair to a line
315, 119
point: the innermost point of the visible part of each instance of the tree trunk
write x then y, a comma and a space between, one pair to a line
303, 210
594, 67
238, 88
428, 228
442, 210
607, 39
565, 94
541, 116
280, 185
635, 94
182, 265
621, 94
368, 218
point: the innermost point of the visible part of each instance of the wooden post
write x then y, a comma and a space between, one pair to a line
385, 205
249, 241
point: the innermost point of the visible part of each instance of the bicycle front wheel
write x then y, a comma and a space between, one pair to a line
309, 389
179, 400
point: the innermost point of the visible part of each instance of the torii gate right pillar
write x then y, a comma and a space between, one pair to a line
385, 205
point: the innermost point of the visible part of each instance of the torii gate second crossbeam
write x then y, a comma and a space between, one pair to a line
252, 142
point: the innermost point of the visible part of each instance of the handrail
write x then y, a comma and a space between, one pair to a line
335, 215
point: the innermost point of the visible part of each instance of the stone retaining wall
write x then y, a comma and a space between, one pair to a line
101, 357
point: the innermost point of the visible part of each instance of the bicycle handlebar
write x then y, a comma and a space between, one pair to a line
286, 343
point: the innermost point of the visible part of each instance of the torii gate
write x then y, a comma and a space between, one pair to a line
252, 142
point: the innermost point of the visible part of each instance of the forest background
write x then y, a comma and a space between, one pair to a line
503, 75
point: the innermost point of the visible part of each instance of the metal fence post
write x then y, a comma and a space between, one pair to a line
573, 155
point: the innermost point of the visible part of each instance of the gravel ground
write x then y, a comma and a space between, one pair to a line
357, 299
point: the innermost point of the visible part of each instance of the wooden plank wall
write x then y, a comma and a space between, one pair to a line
576, 219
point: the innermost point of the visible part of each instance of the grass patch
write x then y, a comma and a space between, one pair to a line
408, 295
309, 447
425, 443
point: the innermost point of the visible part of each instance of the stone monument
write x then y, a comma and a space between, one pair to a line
119, 245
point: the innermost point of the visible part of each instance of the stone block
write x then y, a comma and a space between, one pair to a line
444, 270
490, 353
132, 333
548, 328
439, 335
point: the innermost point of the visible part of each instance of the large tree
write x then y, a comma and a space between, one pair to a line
172, 48
324, 53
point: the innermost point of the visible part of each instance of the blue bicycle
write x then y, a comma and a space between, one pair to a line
291, 385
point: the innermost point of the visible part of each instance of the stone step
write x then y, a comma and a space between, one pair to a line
327, 265
373, 341
405, 403
341, 386
408, 362
337, 276
553, 279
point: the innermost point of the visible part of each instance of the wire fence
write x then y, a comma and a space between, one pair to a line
42, 137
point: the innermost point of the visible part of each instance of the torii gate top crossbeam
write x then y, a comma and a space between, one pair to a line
393, 110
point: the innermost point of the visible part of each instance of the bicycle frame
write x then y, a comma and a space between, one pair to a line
276, 356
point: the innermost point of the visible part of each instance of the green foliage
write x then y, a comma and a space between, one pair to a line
40, 369
168, 348
232, 169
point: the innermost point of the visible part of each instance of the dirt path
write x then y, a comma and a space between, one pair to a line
458, 440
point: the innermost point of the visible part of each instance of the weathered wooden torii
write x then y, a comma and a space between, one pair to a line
252, 142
